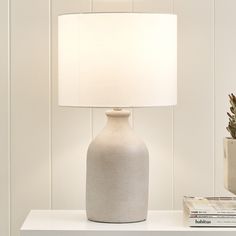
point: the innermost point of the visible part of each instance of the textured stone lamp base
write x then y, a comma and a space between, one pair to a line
117, 173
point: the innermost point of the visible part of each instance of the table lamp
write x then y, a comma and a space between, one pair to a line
117, 60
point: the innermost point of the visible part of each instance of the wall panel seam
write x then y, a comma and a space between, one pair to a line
213, 76
173, 161
173, 154
50, 99
91, 123
9, 117
91, 109
132, 109
91, 5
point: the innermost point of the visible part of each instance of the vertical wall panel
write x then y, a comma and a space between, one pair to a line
4, 120
30, 128
225, 80
71, 131
193, 116
158, 6
154, 125
111, 5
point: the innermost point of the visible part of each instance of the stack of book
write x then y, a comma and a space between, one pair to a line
210, 211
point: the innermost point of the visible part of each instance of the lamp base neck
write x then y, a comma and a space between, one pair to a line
117, 112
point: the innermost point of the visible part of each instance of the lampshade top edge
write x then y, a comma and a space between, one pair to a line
94, 13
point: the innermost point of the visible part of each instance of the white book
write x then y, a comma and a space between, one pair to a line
211, 222
210, 211
210, 205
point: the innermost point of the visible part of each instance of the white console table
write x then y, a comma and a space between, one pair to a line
75, 223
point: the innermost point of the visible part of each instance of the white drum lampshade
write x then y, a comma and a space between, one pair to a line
117, 60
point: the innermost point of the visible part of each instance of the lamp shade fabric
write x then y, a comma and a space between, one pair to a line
117, 59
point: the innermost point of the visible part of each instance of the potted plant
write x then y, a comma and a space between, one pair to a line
230, 148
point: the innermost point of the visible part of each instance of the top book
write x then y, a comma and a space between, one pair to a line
210, 205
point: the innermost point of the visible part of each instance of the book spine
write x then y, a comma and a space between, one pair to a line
212, 216
211, 222
210, 212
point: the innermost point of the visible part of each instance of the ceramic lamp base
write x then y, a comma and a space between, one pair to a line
230, 164
117, 173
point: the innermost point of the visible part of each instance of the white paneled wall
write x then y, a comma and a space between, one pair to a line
225, 78
43, 146
71, 130
29, 108
4, 119
194, 114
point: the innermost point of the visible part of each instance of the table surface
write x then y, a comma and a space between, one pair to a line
75, 220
